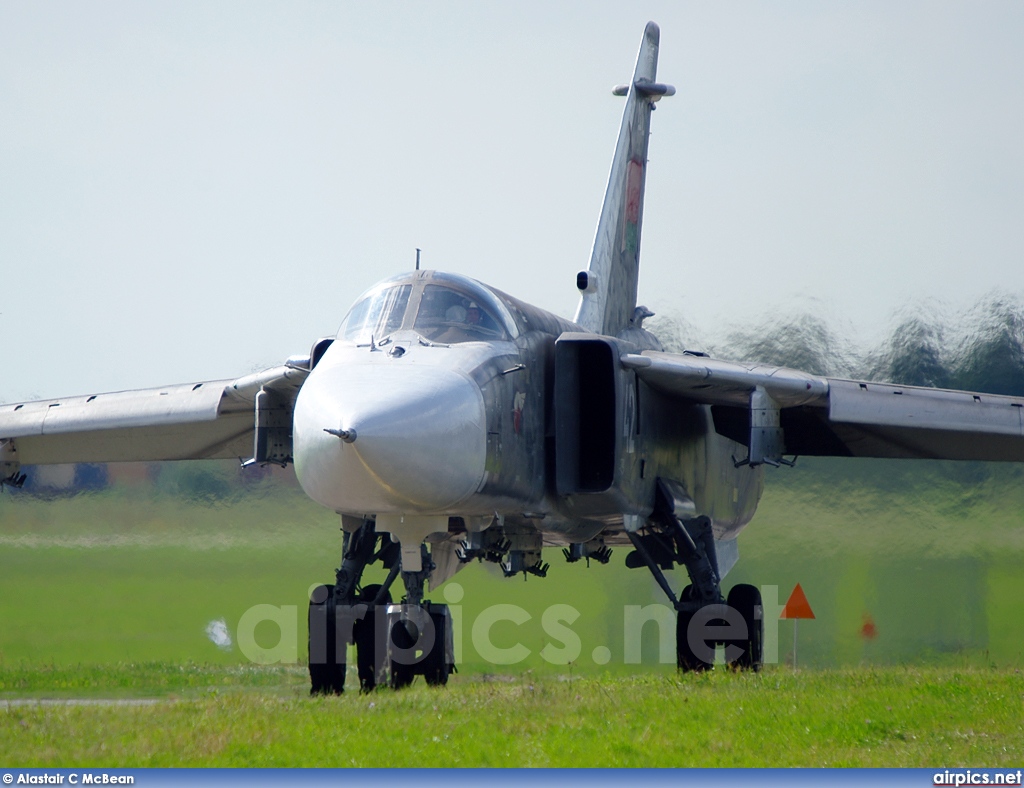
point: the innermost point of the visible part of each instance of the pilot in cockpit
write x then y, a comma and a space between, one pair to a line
456, 314
467, 313
447, 316
461, 319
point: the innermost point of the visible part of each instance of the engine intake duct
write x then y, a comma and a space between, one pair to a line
585, 415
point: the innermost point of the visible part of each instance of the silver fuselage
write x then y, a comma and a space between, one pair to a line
467, 429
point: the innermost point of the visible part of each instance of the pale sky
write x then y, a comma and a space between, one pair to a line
192, 191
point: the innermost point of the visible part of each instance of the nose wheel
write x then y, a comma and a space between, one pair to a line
364, 635
421, 644
420, 641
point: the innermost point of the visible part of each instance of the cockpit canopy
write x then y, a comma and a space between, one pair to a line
442, 308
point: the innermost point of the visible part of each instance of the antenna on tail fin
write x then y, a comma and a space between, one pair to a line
608, 286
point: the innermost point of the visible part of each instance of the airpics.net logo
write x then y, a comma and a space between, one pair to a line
976, 777
496, 633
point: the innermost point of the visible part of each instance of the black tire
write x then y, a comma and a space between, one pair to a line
686, 660
364, 633
328, 677
402, 675
436, 665
747, 600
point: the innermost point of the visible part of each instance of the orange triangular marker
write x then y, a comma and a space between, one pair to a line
797, 605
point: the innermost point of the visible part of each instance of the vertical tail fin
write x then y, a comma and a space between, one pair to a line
609, 285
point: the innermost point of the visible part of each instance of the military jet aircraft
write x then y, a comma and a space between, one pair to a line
448, 421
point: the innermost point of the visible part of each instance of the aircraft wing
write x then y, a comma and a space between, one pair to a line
208, 420
821, 416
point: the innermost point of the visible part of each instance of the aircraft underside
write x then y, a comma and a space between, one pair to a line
397, 641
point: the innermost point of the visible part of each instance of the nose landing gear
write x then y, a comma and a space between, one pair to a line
394, 643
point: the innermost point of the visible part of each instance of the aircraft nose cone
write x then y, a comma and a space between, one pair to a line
406, 438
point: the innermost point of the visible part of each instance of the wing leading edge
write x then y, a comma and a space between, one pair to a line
821, 416
208, 420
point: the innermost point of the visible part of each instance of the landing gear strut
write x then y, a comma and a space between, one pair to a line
394, 643
346, 613
704, 619
421, 642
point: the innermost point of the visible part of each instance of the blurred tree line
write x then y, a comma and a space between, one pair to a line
979, 349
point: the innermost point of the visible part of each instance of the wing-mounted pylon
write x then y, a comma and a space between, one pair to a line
776, 411
609, 286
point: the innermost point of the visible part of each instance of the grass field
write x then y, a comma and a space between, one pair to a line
929, 554
261, 717
109, 595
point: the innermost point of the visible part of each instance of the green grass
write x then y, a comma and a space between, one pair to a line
108, 596
218, 717
146, 680
930, 553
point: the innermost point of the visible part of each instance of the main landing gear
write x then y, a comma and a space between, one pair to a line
393, 643
704, 619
